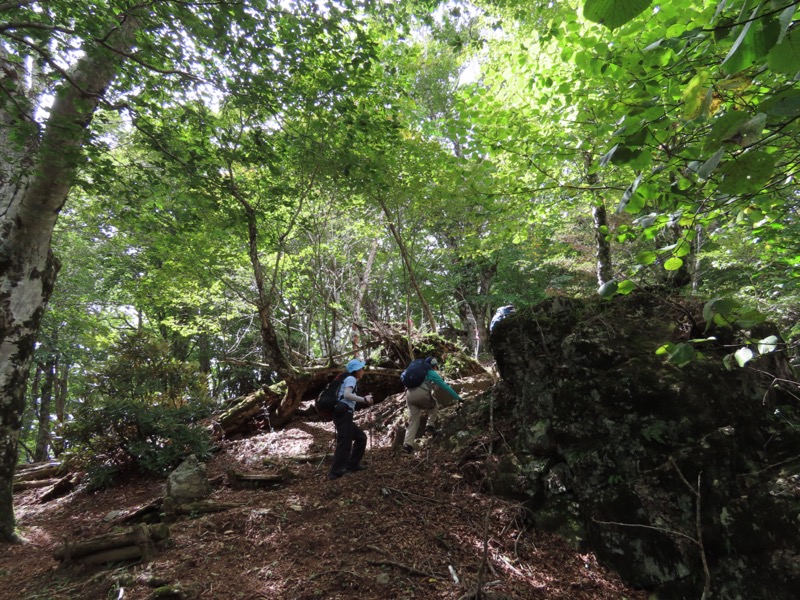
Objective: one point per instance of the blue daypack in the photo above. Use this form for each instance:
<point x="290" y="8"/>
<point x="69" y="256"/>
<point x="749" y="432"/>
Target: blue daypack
<point x="415" y="373"/>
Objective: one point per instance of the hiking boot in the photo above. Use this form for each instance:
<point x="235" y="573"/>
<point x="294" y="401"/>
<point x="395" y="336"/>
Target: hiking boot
<point x="432" y="431"/>
<point x="357" y="468"/>
<point x="408" y="449"/>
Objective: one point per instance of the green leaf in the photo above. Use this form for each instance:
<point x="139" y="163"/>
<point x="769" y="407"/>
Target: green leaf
<point x="704" y="172"/>
<point x="626" y="287"/>
<point x="786" y="18"/>
<point x="743" y="356"/>
<point x="768" y="344"/>
<point x="752" y="130"/>
<point x="743" y="52"/>
<point x="703" y="340"/>
<point x="681" y="354"/>
<point x="695" y="96"/>
<point x="664" y="349"/>
<point x="747" y="174"/>
<point x="606" y="158"/>
<point x="726" y="128"/>
<point x="625" y="154"/>
<point x="784" y="104"/>
<point x="682" y="248"/>
<point x="613" y="13"/>
<point x="749" y="318"/>
<point x="784" y="58"/>
<point x="727" y="361"/>
<point x="717" y="306"/>
<point x="673" y="264"/>
<point x="626" y="197"/>
<point x="646" y="258"/>
<point x="638" y="200"/>
<point x="608" y="289"/>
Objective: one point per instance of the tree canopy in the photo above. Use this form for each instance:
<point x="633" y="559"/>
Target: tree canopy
<point x="243" y="187"/>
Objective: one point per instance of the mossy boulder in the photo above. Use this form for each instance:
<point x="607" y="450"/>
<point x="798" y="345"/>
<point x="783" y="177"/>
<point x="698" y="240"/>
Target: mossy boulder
<point x="681" y="478"/>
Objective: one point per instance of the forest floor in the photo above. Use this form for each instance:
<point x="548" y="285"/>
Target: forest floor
<point x="408" y="527"/>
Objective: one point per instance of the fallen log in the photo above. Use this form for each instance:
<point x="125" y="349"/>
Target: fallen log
<point x="62" y="487"/>
<point x="166" y="508"/>
<point x="202" y="507"/>
<point x="35" y="471"/>
<point x="21" y="486"/>
<point x="150" y="512"/>
<point x="302" y="458"/>
<point x="241" y="412"/>
<point x="257" y="480"/>
<point x="116" y="555"/>
<point x="138" y="542"/>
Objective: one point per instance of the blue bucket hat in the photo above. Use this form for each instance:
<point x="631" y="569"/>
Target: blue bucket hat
<point x="354" y="365"/>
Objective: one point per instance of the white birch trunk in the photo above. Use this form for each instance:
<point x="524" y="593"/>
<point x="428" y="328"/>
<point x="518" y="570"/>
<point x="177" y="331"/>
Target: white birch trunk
<point x="38" y="164"/>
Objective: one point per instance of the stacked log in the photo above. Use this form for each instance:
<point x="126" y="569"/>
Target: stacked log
<point x="258" y="480"/>
<point x="167" y="508"/>
<point x="48" y="475"/>
<point x="37" y="471"/>
<point x="139" y="543"/>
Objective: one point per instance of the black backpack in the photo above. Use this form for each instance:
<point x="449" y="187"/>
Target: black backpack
<point x="415" y="373"/>
<point x="327" y="399"/>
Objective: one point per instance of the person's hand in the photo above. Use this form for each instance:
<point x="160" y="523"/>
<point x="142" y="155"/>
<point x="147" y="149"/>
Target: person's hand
<point x="368" y="399"/>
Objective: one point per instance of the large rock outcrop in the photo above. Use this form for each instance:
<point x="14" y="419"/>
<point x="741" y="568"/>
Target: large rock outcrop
<point x="685" y="480"/>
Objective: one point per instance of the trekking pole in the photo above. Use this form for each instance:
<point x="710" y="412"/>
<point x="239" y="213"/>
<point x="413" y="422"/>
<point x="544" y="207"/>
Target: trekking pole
<point x="371" y="423"/>
<point x="332" y="446"/>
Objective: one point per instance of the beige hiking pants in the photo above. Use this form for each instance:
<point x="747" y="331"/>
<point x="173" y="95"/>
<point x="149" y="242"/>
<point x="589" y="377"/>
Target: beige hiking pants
<point x="419" y="399"/>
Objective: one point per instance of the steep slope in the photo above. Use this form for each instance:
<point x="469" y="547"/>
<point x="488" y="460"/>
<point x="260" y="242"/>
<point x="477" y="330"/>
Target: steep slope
<point x="408" y="527"/>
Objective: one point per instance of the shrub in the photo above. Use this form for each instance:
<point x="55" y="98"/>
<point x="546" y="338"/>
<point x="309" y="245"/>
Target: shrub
<point x="143" y="412"/>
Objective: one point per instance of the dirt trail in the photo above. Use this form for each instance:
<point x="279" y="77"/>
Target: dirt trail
<point x="409" y="527"/>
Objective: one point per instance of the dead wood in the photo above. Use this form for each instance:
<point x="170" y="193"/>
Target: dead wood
<point x="21" y="486"/>
<point x="242" y="412"/>
<point x="149" y="512"/>
<point x="400" y="349"/>
<point x="303" y="459"/>
<point x="60" y="488"/>
<point x="197" y="507"/>
<point x="258" y="480"/>
<point x="166" y="508"/>
<point x="407" y="568"/>
<point x="46" y="470"/>
<point x="104" y="545"/>
<point x="115" y="555"/>
<point x="272" y="409"/>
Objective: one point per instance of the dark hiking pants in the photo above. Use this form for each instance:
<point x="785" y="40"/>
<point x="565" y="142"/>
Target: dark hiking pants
<point x="351" y="442"/>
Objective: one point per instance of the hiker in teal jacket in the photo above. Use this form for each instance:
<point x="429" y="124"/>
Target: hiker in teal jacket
<point x="421" y="399"/>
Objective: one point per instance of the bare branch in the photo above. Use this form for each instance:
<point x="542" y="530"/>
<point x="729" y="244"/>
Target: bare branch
<point x="15" y="5"/>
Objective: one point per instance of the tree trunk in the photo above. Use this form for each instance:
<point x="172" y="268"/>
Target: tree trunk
<point x="407" y="262"/>
<point x="34" y="395"/>
<point x="61" y="392"/>
<point x="363" y="284"/>
<point x="605" y="272"/>
<point x="45" y="402"/>
<point x="602" y="249"/>
<point x="694" y="268"/>
<point x="35" y="178"/>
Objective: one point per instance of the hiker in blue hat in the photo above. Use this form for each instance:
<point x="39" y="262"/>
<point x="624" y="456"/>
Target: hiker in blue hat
<point x="351" y="441"/>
